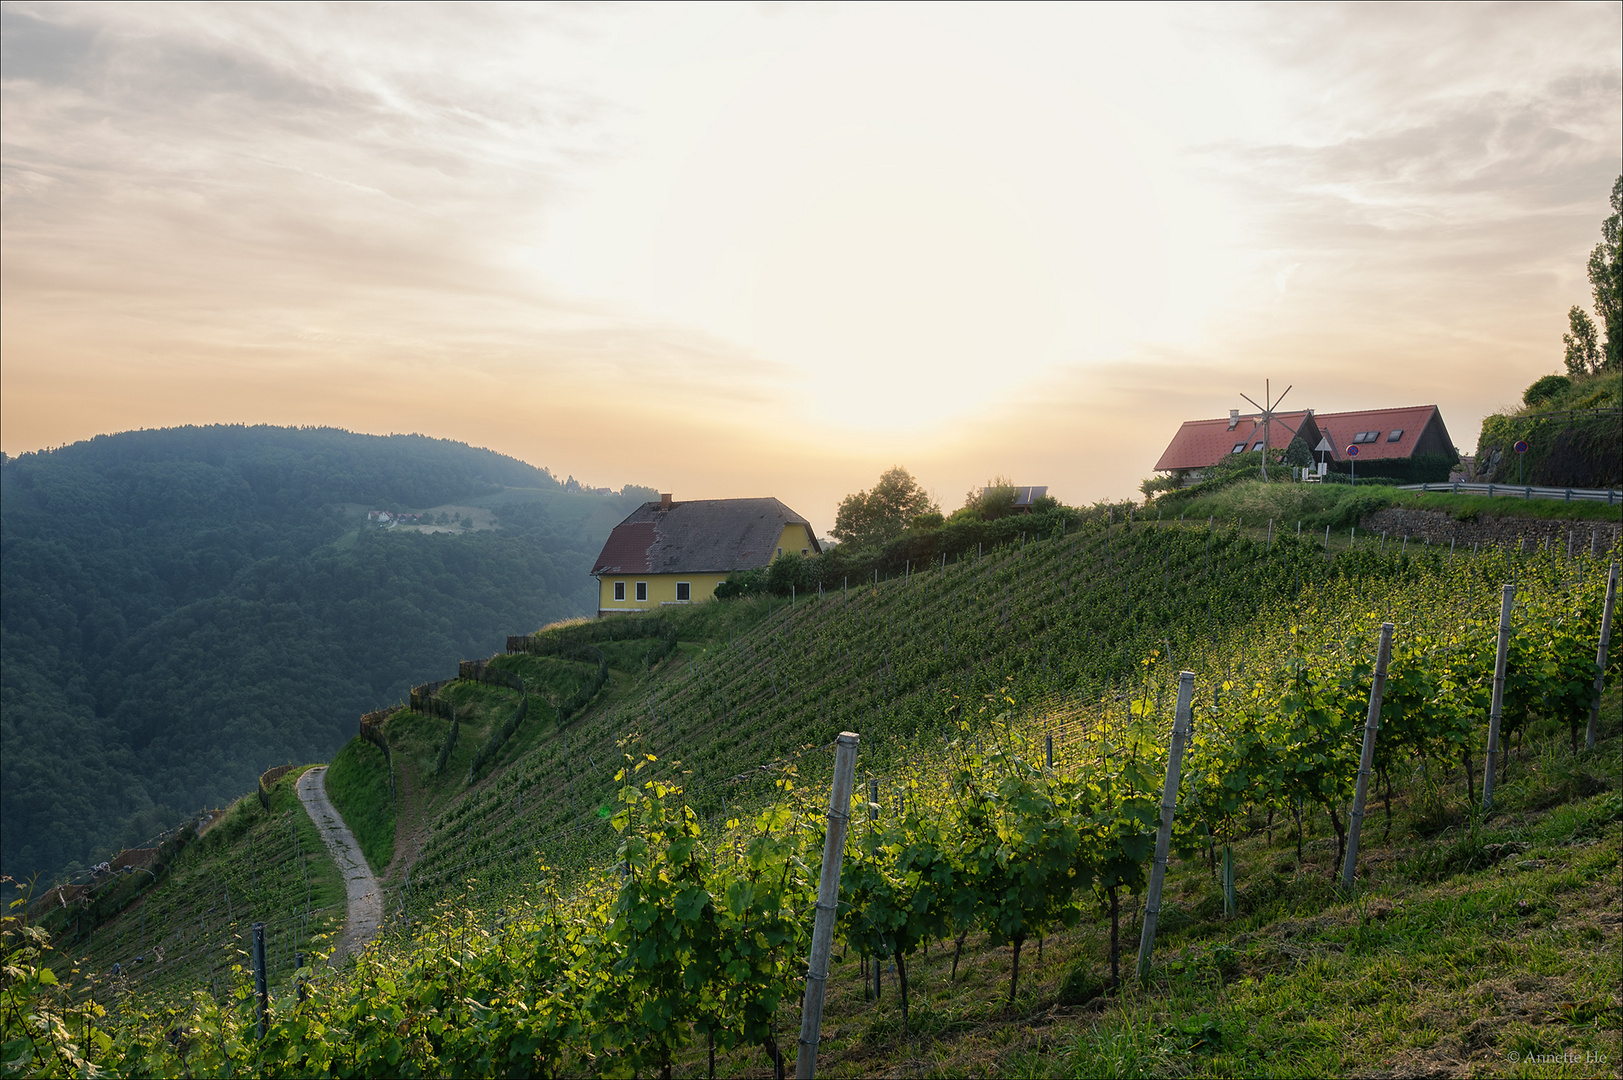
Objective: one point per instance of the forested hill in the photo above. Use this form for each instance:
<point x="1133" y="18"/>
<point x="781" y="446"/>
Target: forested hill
<point x="183" y="608"/>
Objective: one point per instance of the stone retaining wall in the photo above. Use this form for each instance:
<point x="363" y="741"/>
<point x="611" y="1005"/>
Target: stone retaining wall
<point x="1439" y="528"/>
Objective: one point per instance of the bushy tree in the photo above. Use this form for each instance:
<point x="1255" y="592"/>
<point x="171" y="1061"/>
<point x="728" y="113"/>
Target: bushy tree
<point x="1546" y="388"/>
<point x="995" y="500"/>
<point x="873" y="517"/>
<point x="1583" y="347"/>
<point x="1606" y="279"/>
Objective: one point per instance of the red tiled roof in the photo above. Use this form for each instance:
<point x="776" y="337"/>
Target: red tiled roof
<point x="1340" y="428"/>
<point x="626" y="550"/>
<point x="702" y="535"/>
<point x="1202" y="443"/>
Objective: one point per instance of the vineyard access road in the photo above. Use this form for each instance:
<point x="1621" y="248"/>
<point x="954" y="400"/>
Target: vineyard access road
<point x="365" y="896"/>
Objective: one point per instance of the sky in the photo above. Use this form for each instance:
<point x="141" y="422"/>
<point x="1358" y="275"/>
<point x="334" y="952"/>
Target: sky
<point x="774" y="249"/>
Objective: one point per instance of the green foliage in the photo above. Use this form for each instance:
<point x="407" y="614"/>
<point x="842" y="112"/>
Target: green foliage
<point x="873" y="517"/>
<point x="1573" y="450"/>
<point x="1549" y="386"/>
<point x="1606" y="280"/>
<point x="185" y="607"/>
<point x="698" y="929"/>
<point x="358" y="783"/>
<point x="1582" y="342"/>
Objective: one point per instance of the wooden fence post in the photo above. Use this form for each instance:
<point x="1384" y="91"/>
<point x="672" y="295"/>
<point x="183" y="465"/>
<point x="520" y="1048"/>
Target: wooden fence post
<point x="1163" y="836"/>
<point x="1600" y="656"/>
<point x="828" y="896"/>
<point x="1372" y="725"/>
<point x="1498" y="707"/>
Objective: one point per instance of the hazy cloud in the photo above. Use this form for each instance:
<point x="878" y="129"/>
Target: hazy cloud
<point x="694" y="228"/>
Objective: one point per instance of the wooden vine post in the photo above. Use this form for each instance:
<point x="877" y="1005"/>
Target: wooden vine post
<point x="1372" y="725"/>
<point x="828" y="895"/>
<point x="1496" y="710"/>
<point x="1600" y="656"/>
<point x="1163" y="836"/>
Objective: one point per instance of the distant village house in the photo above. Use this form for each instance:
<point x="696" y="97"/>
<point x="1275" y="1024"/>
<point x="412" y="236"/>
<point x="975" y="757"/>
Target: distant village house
<point x="670" y="552"/>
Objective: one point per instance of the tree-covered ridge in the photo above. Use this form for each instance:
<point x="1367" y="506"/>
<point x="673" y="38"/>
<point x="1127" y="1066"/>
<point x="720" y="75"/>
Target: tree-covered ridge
<point x="185" y="607"/>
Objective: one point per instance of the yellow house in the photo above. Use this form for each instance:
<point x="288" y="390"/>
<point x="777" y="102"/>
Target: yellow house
<point x="671" y="552"/>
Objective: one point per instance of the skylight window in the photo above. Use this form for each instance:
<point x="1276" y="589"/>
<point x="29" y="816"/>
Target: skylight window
<point x="1239" y="448"/>
<point x="1258" y="445"/>
<point x="1395" y="436"/>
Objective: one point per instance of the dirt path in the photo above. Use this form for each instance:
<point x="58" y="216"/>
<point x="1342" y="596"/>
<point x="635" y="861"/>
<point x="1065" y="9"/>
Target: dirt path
<point x="365" y="896"/>
<point x="409" y="830"/>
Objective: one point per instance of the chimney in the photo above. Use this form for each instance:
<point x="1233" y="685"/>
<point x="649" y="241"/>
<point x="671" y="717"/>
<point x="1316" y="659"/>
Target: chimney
<point x="1234" y="419"/>
<point x="664" y="500"/>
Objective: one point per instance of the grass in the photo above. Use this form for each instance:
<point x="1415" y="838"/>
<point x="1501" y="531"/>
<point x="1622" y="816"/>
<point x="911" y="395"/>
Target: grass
<point x="358" y="783"/>
<point x="1469" y="940"/>
<point x="1341" y="507"/>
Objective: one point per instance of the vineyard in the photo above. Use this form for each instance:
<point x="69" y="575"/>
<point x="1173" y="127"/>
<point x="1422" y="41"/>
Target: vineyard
<point x="253" y="863"/>
<point x="624" y="884"/>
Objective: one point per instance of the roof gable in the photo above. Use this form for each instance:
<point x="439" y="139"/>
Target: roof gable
<point x="1412" y="420"/>
<point x="1203" y="443"/>
<point x="699" y="536"/>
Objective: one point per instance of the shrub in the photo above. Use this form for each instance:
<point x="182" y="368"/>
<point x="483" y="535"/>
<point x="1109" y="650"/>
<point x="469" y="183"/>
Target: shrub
<point x="1544" y="389"/>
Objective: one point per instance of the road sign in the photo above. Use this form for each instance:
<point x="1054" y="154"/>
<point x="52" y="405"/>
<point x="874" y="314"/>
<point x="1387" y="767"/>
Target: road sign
<point x="1352" y="451"/>
<point x="1521" y="447"/>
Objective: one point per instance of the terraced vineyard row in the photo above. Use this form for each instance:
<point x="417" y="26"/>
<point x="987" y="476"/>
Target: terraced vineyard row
<point x="254" y="865"/>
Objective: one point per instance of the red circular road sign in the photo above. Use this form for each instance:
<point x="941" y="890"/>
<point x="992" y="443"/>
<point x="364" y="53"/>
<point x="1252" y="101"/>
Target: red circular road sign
<point x="1521" y="447"/>
<point x="1352" y="451"/>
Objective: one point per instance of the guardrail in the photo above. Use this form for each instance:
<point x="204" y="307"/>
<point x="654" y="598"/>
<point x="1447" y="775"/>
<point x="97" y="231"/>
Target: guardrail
<point x="1610" y="496"/>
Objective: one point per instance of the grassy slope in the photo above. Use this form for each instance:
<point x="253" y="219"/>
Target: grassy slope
<point x="1302" y="983"/>
<point x="250" y="864"/>
<point x="1341" y="507"/>
<point x="358" y="785"/>
<point x="880" y="661"/>
<point x="756" y="680"/>
<point x="1453" y="957"/>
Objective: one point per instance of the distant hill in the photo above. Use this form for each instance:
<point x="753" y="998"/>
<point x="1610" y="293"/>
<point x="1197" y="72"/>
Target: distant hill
<point x="185" y="607"/>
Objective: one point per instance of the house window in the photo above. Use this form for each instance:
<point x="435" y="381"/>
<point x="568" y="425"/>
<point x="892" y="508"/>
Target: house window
<point x="780" y="552"/>
<point x="1395" y="436"/>
<point x="619" y="590"/>
<point x="1239" y="448"/>
<point x="642" y="590"/>
<point x="684" y="590"/>
<point x="804" y="551"/>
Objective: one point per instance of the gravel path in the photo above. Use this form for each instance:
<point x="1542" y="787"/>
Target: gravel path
<point x="365" y="896"/>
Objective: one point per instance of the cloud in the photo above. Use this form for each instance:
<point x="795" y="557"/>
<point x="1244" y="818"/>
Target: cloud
<point x="782" y="249"/>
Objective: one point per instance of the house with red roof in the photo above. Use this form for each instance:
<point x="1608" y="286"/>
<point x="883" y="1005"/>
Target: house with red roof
<point x="1385" y="434"/>
<point x="1201" y="444"/>
<point x="1380" y="436"/>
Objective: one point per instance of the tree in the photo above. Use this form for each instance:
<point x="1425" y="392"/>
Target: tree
<point x="995" y="500"/>
<point x="1583" y="350"/>
<point x="1606" y="278"/>
<point x="871" y="517"/>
